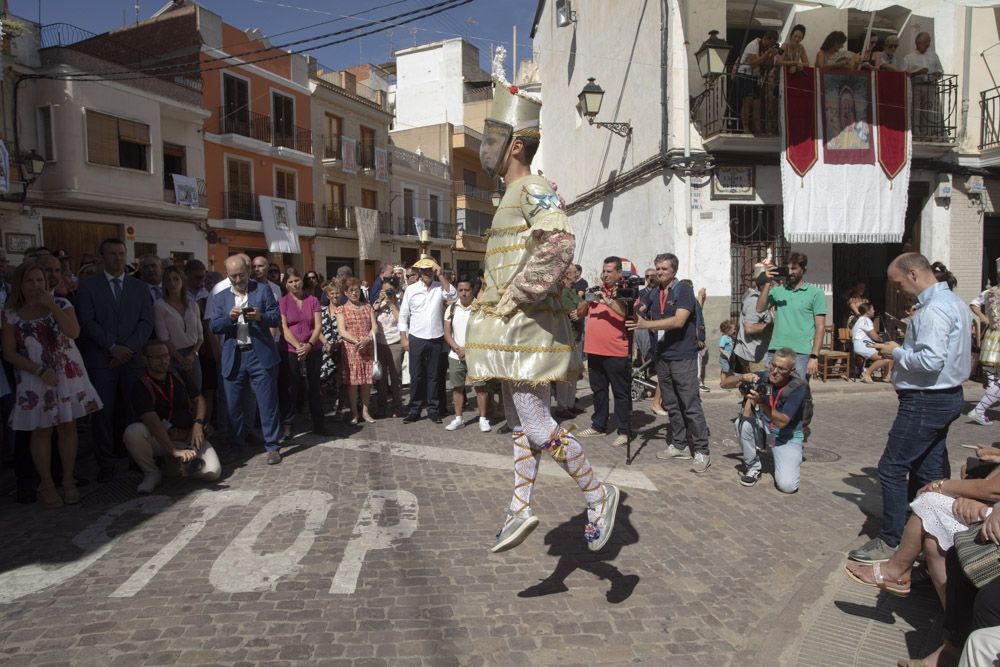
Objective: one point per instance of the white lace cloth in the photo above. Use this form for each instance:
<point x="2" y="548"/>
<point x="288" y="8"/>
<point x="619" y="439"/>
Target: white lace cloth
<point x="934" y="510"/>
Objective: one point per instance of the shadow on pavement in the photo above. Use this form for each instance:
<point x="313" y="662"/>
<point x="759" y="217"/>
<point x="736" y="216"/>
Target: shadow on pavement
<point x="566" y="542"/>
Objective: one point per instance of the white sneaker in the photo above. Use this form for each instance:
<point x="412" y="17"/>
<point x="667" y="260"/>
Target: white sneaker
<point x="455" y="424"/>
<point x="149" y="482"/>
<point x="620" y="441"/>
<point x="701" y="462"/>
<point x="980" y="418"/>
<point x="484" y="425"/>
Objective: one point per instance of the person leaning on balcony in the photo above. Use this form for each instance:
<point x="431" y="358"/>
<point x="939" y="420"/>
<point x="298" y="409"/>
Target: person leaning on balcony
<point x="886" y="58"/>
<point x="924" y="69"/>
<point x="758" y="55"/>
<point x="794" y="57"/>
<point x="833" y="54"/>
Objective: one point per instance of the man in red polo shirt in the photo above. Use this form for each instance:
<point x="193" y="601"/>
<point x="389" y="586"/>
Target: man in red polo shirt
<point x="606" y="345"/>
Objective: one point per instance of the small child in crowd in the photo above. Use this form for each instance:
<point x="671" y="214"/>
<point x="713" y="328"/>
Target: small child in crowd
<point x="728" y="329"/>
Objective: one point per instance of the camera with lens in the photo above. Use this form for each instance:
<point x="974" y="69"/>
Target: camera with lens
<point x="392" y="280"/>
<point x="761" y="386"/>
<point x="194" y="466"/>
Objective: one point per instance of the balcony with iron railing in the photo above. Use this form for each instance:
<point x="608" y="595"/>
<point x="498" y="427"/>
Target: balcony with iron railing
<point x="245" y="206"/>
<point x="474" y="222"/>
<point x="716" y="113"/>
<point x="463" y="189"/>
<point x="331" y="147"/>
<point x="406" y="226"/>
<point x="335" y="217"/>
<point x="989" y="120"/>
<point x="262" y="128"/>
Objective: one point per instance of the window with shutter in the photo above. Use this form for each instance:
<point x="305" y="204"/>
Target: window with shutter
<point x="284" y="184"/>
<point x="117" y="142"/>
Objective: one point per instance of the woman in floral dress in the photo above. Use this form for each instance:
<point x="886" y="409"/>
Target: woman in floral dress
<point x="357" y="327"/>
<point x="53" y="390"/>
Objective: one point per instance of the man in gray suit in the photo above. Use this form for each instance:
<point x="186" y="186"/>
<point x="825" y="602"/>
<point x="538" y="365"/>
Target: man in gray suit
<point x="116" y="320"/>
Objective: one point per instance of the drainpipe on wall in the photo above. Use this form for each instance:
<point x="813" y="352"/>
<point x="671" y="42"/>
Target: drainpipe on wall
<point x="664" y="79"/>
<point x="966" y="67"/>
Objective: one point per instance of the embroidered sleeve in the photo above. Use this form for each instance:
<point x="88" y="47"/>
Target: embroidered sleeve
<point x="553" y="255"/>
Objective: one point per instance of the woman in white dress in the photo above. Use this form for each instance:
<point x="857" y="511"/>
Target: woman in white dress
<point x="941" y="509"/>
<point x="862" y="333"/>
<point x="53" y="389"/>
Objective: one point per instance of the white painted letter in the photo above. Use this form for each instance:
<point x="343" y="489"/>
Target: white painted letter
<point x="210" y="503"/>
<point x="369" y="535"/>
<point x="93" y="540"/>
<point x="238" y="569"/>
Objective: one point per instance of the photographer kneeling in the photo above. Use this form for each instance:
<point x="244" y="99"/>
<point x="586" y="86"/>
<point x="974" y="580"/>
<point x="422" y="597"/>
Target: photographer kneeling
<point x="771" y="418"/>
<point x="167" y="426"/>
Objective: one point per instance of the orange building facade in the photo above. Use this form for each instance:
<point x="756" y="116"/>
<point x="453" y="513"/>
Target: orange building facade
<point x="258" y="141"/>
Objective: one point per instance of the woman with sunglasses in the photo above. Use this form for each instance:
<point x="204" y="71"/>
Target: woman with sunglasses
<point x="313" y="284"/>
<point x="886" y="59"/>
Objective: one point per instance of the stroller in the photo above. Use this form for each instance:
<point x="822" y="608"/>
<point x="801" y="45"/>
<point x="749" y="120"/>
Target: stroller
<point x="641" y="387"/>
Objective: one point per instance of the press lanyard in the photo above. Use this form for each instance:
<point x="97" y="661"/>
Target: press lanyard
<point x="168" y="399"/>
<point x="773" y="401"/>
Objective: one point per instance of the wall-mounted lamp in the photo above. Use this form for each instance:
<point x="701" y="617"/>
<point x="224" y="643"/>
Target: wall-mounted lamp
<point x="712" y="55"/>
<point x="495" y="197"/>
<point x="591" y="98"/>
<point x="30" y="166"/>
<point x="564" y="13"/>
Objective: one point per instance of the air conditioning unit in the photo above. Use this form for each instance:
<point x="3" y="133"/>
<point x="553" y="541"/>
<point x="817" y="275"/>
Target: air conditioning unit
<point x="975" y="185"/>
<point x="943" y="190"/>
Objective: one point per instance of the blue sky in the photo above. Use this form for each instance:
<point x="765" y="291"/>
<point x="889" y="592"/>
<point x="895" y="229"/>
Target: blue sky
<point x="482" y="22"/>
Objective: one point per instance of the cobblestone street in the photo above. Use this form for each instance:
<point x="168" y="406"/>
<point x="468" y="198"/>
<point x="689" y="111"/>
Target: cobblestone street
<point x="371" y="548"/>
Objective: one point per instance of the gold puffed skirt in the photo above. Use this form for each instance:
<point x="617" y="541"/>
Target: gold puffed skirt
<point x="532" y="346"/>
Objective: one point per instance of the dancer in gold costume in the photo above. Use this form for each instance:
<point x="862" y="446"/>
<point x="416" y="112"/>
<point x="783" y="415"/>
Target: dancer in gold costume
<point x="519" y="332"/>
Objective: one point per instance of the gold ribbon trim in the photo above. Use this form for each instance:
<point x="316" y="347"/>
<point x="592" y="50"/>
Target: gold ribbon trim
<point x="505" y="231"/>
<point x="499" y="250"/>
<point x="530" y="349"/>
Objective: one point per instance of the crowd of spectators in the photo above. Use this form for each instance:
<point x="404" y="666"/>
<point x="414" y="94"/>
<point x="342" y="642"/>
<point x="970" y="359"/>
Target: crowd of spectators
<point x="755" y="73"/>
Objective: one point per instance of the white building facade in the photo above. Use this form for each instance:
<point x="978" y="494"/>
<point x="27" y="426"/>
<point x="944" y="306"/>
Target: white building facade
<point x="110" y="148"/>
<point x="649" y="192"/>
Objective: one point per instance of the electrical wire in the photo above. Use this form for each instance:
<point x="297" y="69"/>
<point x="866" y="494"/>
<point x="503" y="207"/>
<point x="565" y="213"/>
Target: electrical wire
<point x="172" y="70"/>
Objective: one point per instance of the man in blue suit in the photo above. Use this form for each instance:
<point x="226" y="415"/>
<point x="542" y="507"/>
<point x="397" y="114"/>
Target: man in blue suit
<point x="116" y="320"/>
<point x="242" y="316"/>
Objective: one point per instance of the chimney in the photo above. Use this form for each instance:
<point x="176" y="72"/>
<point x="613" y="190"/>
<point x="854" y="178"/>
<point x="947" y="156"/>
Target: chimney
<point x="349" y="82"/>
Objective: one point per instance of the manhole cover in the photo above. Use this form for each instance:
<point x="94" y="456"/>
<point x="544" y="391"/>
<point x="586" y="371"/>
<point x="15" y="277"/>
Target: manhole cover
<point x="819" y="455"/>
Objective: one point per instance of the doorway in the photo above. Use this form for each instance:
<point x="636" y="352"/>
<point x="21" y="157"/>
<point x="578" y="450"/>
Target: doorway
<point x="753" y="231"/>
<point x="78" y="238"/>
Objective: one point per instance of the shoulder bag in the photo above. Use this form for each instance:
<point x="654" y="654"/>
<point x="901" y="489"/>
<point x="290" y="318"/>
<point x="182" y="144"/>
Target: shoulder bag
<point x="980" y="559"/>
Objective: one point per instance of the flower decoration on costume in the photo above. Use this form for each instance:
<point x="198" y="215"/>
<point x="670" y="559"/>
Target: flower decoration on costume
<point x="557" y="443"/>
<point x="513" y="90"/>
<point x="591" y="533"/>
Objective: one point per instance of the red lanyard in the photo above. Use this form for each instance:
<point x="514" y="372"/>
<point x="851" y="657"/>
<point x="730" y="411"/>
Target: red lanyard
<point x="773" y="401"/>
<point x="169" y="399"/>
<point x="663" y="303"/>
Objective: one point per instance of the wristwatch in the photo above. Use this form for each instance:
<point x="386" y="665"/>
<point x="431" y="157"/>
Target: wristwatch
<point x="814" y="356"/>
<point x="199" y="421"/>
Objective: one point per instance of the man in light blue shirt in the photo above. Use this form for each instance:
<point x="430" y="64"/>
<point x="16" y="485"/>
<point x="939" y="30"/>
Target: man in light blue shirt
<point x="931" y="365"/>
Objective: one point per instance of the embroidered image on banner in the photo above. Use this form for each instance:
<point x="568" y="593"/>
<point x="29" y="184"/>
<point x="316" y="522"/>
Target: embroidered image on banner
<point x="847" y="117"/>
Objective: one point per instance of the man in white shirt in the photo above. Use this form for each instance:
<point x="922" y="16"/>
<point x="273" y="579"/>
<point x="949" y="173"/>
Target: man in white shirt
<point x="924" y="69"/>
<point x="456" y="320"/>
<point x="421" y="330"/>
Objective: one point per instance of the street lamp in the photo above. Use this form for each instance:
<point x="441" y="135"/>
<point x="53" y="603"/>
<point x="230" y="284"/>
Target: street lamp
<point x="712" y="55"/>
<point x="591" y="98"/>
<point x="564" y="13"/>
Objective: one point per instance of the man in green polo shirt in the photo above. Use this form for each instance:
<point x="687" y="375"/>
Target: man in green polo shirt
<point x="799" y="315"/>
